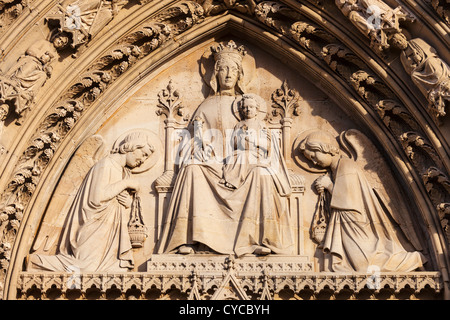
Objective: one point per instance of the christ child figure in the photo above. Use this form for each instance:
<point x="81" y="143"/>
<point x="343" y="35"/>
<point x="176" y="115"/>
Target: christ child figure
<point x="250" y="141"/>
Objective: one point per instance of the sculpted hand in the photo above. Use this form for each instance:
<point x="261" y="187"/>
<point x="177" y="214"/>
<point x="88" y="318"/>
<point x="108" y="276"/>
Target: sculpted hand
<point x="322" y="183"/>
<point x="198" y="154"/>
<point x="134" y="185"/>
<point x="125" y="199"/>
<point x="209" y="151"/>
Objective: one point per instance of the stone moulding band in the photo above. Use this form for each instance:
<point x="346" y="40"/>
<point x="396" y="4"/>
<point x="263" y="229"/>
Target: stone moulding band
<point x="263" y="285"/>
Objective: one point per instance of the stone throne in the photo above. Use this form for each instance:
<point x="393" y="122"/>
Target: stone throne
<point x="211" y="268"/>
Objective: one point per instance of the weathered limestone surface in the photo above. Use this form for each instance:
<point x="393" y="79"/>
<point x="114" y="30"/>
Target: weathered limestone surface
<point x="224" y="150"/>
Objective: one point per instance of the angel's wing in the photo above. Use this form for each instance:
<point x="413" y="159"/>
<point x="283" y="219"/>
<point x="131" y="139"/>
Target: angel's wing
<point x="90" y="151"/>
<point x="364" y="152"/>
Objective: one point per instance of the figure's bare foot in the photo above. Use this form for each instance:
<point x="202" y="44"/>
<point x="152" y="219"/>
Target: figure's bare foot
<point x="185" y="250"/>
<point x="263" y="251"/>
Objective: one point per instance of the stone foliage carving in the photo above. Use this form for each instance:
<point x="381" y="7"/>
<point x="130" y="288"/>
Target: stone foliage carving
<point x="444" y="217"/>
<point x="419" y="150"/>
<point x="293" y="25"/>
<point x="437" y="184"/>
<point x="170" y="105"/>
<point x="74" y="23"/>
<point x="100" y="230"/>
<point x="197" y="281"/>
<point x="285" y="105"/>
<point x="286" y="101"/>
<point x="212" y="7"/>
<point x="429" y="73"/>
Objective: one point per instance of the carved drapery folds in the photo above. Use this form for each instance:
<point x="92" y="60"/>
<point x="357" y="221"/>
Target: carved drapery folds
<point x="278" y="17"/>
<point x="442" y="8"/>
<point x="354" y="71"/>
<point x="381" y="24"/>
<point x="21" y="83"/>
<point x="75" y="101"/>
<point x="74" y="23"/>
<point x="208" y="284"/>
<point x="376" y="20"/>
<point x="9" y="11"/>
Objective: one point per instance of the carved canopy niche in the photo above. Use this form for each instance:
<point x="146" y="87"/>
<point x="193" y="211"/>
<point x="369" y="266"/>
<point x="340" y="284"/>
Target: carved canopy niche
<point x="141" y="65"/>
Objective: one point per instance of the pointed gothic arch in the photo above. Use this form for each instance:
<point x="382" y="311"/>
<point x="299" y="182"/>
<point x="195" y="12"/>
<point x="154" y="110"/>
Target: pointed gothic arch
<point x="370" y="89"/>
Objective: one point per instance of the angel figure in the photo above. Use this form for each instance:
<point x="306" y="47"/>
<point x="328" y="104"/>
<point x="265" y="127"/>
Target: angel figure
<point x="203" y="214"/>
<point x="95" y="236"/>
<point x="359" y="235"/>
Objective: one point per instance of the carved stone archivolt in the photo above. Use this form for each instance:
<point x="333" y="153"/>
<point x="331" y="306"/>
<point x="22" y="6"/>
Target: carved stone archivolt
<point x="194" y="281"/>
<point x="393" y="116"/>
<point x="21" y="83"/>
<point x="381" y="24"/>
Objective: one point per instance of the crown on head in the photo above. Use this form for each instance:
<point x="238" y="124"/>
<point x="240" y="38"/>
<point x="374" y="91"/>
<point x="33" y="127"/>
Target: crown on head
<point x="231" y="49"/>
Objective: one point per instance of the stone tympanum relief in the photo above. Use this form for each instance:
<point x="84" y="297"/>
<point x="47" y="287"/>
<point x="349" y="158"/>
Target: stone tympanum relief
<point x="247" y="211"/>
<point x="74" y="23"/>
<point x="228" y="189"/>
<point x="100" y="231"/>
<point x="359" y="234"/>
